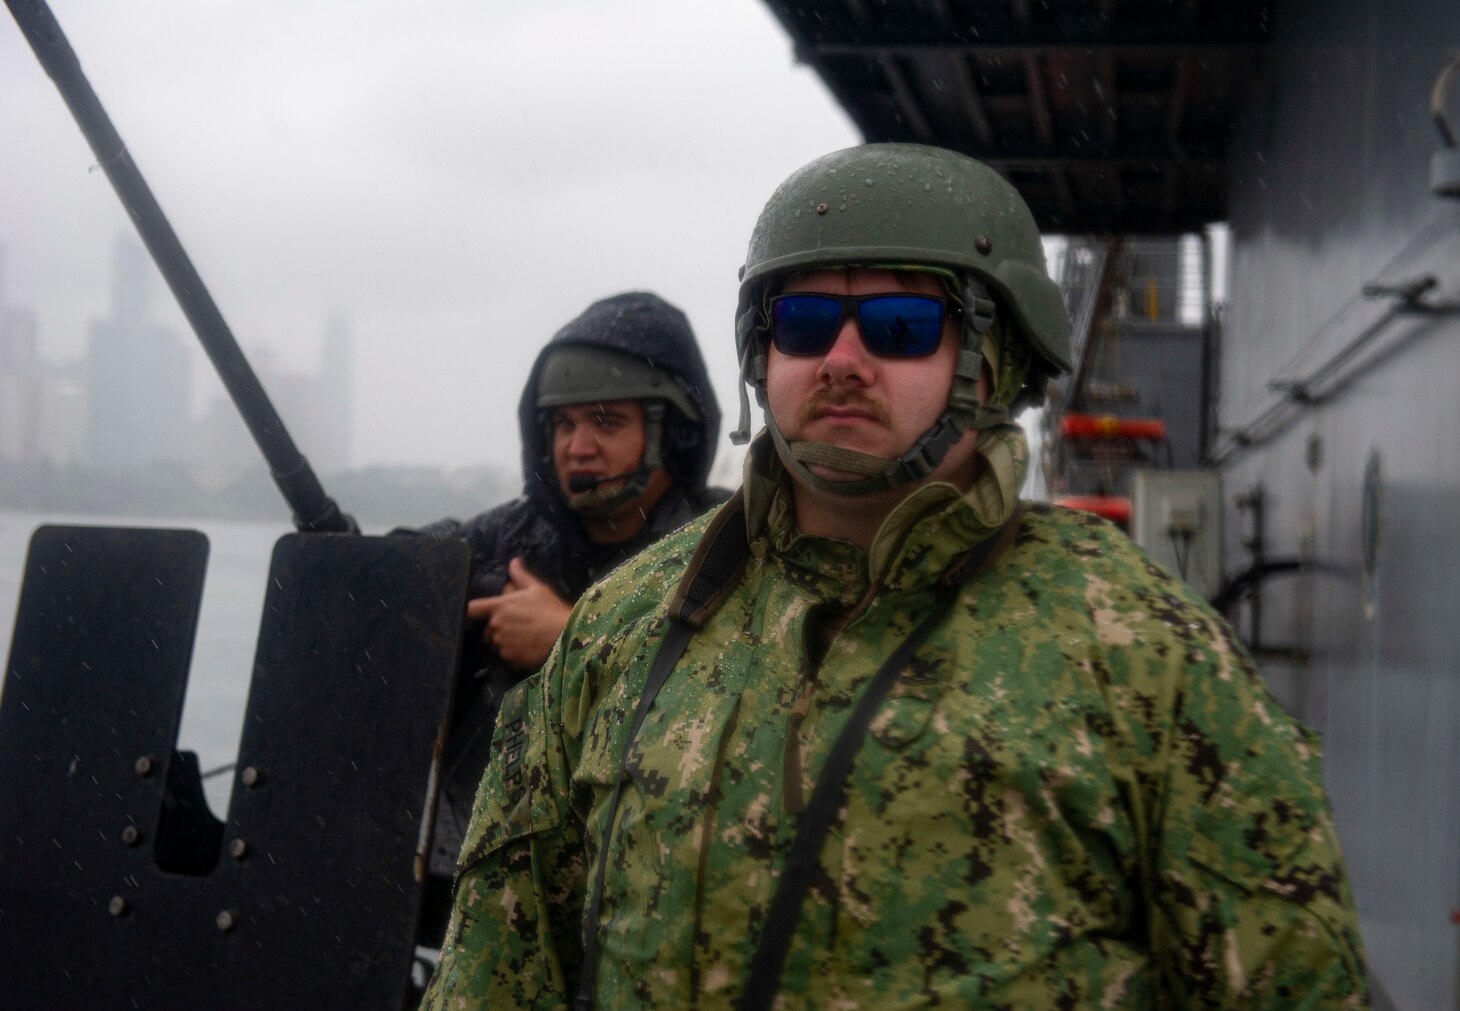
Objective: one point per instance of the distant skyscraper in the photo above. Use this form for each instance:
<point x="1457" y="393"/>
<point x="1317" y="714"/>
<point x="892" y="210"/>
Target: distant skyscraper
<point x="42" y="406"/>
<point x="316" y="408"/>
<point x="19" y="378"/>
<point x="61" y="415"/>
<point x="136" y="376"/>
<point x="131" y="282"/>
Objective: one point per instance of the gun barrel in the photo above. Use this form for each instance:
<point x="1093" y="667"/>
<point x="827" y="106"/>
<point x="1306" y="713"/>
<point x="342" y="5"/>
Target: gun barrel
<point x="313" y="510"/>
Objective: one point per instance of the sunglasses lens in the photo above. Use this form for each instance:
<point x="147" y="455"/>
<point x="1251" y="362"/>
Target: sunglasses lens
<point x="901" y="326"/>
<point x="893" y="326"/>
<point x="804" y="324"/>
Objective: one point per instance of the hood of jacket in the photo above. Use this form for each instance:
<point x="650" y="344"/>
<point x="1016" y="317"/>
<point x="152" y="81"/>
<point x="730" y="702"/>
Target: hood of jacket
<point x="641" y="324"/>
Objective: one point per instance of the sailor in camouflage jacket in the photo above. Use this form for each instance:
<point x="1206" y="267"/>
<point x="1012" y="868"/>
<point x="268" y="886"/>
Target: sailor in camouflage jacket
<point x="1080" y="794"/>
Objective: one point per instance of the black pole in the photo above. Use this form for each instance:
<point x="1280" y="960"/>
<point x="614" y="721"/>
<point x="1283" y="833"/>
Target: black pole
<point x="313" y="509"/>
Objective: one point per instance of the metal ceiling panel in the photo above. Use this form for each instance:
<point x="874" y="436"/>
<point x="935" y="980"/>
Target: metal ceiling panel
<point x="1109" y="115"/>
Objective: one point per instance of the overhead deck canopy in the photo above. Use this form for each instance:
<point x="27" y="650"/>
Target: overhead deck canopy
<point x="1108" y="115"/>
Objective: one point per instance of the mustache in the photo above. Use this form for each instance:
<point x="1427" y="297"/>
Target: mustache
<point x="822" y="399"/>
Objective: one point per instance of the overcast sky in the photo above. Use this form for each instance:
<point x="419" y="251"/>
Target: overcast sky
<point x="459" y="182"/>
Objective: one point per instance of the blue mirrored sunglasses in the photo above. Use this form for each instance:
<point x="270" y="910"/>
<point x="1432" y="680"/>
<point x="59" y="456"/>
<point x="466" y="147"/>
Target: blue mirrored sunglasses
<point x="892" y="325"/>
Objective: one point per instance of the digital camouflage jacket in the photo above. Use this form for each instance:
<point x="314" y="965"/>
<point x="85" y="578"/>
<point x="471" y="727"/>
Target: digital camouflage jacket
<point x="1079" y="794"/>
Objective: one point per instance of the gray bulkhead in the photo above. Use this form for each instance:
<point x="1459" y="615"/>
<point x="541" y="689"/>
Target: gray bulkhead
<point x="1329" y="191"/>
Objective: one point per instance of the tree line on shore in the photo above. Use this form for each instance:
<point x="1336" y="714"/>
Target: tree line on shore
<point x="378" y="497"/>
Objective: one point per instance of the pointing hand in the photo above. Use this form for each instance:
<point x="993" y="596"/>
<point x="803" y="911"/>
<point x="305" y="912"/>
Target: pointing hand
<point x="523" y="621"/>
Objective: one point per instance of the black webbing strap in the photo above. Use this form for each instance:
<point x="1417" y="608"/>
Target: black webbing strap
<point x="769" y="959"/>
<point x="721" y="554"/>
<point x="714" y="568"/>
<point x="670" y="650"/>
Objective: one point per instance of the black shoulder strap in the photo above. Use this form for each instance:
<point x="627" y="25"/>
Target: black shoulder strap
<point x="769" y="959"/>
<point x="712" y="572"/>
<point x="714" y="569"/>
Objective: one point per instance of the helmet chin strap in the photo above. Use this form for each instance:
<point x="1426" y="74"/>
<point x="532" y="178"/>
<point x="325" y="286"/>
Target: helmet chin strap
<point x="752" y="371"/>
<point x="965" y="412"/>
<point x="607" y="501"/>
<point x="877" y="473"/>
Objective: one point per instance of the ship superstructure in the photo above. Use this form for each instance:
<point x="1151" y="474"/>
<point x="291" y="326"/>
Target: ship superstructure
<point x="1296" y="452"/>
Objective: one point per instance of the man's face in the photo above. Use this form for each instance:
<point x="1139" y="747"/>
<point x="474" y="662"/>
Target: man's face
<point x="849" y="397"/>
<point x="597" y="440"/>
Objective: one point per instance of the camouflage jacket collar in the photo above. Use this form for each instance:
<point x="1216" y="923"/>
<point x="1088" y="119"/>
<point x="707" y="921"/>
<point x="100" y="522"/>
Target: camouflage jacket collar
<point x="919" y="542"/>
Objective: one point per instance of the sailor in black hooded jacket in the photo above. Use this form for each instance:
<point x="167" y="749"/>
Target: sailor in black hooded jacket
<point x="566" y="528"/>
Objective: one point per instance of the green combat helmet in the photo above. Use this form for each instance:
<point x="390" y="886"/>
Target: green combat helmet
<point x="899" y="206"/>
<point x="583" y="374"/>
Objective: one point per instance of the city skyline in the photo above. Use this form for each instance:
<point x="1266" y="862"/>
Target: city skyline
<point x="128" y="401"/>
<point x="460" y="182"/>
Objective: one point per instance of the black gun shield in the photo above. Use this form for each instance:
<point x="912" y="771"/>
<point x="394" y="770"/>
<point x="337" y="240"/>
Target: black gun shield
<point x="313" y="898"/>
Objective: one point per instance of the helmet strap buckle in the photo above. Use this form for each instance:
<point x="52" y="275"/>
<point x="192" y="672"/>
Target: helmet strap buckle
<point x="923" y="456"/>
<point x="653" y="457"/>
<point x="978" y="304"/>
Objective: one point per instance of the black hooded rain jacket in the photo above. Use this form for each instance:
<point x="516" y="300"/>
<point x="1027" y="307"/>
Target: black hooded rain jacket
<point x="539" y="527"/>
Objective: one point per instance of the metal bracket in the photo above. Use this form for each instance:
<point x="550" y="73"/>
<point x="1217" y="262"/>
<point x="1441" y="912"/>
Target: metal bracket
<point x="115" y="881"/>
<point x="1445" y="165"/>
